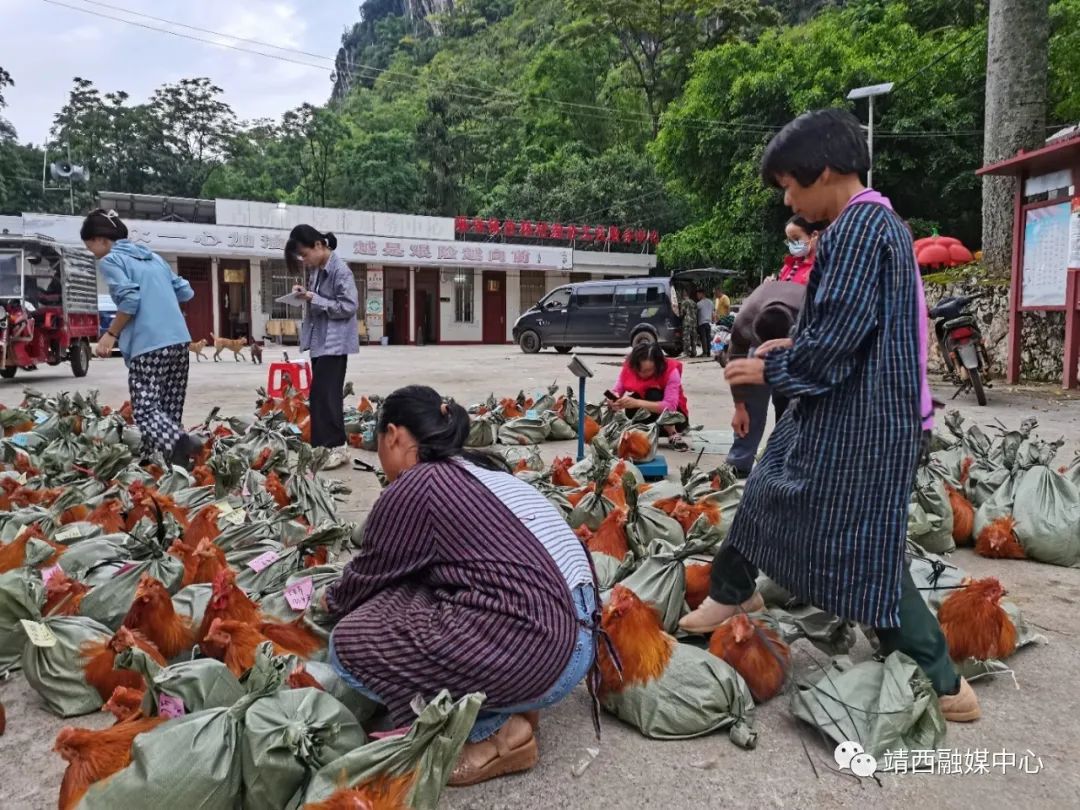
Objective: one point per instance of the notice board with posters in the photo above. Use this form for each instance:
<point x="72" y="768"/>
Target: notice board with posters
<point x="1046" y="255"/>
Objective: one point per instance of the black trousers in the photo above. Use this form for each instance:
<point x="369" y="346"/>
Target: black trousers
<point x="705" y="336"/>
<point x="919" y="635"/>
<point x="327" y="405"/>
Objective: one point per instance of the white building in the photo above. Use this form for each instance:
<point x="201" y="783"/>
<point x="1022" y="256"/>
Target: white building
<point x="417" y="282"/>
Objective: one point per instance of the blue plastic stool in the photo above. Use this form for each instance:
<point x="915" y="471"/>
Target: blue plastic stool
<point x="655" y="470"/>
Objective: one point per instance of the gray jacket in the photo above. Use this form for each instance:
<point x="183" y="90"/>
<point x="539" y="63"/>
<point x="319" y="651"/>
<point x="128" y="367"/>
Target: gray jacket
<point x="330" y="319"/>
<point x="787" y="294"/>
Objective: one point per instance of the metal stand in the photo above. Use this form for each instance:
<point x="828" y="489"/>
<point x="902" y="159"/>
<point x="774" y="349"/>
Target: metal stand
<point x="581" y="420"/>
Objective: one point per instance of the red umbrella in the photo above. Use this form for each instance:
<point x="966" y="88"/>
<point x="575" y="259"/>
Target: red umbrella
<point x="941" y="251"/>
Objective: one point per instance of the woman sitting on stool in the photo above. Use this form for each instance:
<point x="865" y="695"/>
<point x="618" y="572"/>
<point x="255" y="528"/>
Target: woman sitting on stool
<point x="651" y="382"/>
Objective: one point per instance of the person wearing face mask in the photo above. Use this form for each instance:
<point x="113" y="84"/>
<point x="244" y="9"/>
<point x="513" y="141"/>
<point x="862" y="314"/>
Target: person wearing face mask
<point x="801" y="244"/>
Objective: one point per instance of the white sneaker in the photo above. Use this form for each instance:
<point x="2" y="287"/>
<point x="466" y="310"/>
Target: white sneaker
<point x="338" y="457"/>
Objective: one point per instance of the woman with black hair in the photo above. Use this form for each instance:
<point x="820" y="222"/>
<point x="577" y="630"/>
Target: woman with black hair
<point x="151" y="330"/>
<point x="329" y="332"/>
<point x="652" y="382"/>
<point x="468" y="580"/>
<point x="802" y="236"/>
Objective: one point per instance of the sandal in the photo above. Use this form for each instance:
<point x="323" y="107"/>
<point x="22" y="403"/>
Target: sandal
<point x="679" y="443"/>
<point x="510" y="750"/>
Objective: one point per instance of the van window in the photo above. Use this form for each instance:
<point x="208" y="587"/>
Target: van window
<point x="637" y="295"/>
<point x="595" y="298"/>
<point x="560" y="299"/>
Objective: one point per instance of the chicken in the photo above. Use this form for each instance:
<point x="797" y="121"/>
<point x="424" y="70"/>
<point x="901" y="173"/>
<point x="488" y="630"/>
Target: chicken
<point x="320" y="556"/>
<point x="963" y="516"/>
<point x="668" y="505"/>
<point x="95" y="755"/>
<point x="365" y="406"/>
<point x="698" y="577"/>
<point x="147" y="501"/>
<point x="63" y="595"/>
<point x="75" y="514"/>
<point x="204" y="476"/>
<point x="380" y="793"/>
<point x="13" y="554"/>
<point x="755" y="651"/>
<point x="204" y="526"/>
<point x="300" y="678"/>
<point x="965" y="469"/>
<point x="24" y="466"/>
<point x="152" y="614"/>
<point x="234" y="643"/>
<point x="262" y="458"/>
<point x="277" y="490"/>
<point x="592" y="428"/>
<point x="998" y="539"/>
<point x="293" y="637"/>
<point x="521" y="466"/>
<point x="125" y="703"/>
<point x="109" y="516"/>
<point x="635" y="445"/>
<point x="204" y="563"/>
<point x="228" y="601"/>
<point x="510" y="410"/>
<point x="98" y="657"/>
<point x="688" y="514"/>
<point x="637" y="635"/>
<point x="974" y="623"/>
<point x="128" y="413"/>
<point x="560" y="473"/>
<point x="574" y="498"/>
<point x="610" y="537"/>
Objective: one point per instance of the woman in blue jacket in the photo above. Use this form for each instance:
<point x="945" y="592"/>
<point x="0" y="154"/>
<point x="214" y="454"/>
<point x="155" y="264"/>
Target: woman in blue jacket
<point x="151" y="330"/>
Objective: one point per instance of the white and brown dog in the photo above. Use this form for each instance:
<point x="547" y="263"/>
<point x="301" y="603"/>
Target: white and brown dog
<point x="235" y="346"/>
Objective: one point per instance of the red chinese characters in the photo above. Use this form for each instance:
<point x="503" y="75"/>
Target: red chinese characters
<point x="393" y="249"/>
<point x="420" y="251"/>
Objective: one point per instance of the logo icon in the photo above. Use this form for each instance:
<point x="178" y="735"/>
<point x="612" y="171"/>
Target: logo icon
<point x="851" y="756"/>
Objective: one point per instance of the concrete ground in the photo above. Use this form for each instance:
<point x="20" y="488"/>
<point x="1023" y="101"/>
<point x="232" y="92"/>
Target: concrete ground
<point x="1037" y="715"/>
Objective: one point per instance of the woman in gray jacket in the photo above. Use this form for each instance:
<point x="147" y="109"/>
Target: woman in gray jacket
<point x="329" y="332"/>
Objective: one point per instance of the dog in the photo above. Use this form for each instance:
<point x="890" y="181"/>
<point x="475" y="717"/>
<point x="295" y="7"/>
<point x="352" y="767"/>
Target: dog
<point x="256" y="352"/>
<point x="235" y="346"/>
<point x="196" y="348"/>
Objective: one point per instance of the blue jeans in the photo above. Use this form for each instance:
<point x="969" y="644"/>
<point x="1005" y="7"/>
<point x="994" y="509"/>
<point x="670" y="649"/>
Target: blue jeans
<point x="744" y="448"/>
<point x="490" y="720"/>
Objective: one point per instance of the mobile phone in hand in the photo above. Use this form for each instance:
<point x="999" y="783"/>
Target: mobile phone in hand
<point x="610" y="396"/>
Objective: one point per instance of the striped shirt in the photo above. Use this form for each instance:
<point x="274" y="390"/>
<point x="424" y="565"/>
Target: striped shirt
<point x="463" y="583"/>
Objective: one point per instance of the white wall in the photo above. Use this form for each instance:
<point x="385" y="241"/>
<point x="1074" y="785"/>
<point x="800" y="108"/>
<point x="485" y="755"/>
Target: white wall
<point x="451" y="332"/>
<point x="215" y="289"/>
<point x="258" y="317"/>
<point x="513" y="302"/>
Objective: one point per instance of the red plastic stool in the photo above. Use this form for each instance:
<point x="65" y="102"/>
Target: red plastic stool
<point x="287" y="374"/>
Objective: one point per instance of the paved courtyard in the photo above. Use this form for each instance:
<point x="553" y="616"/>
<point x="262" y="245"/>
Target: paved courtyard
<point x="1038" y="713"/>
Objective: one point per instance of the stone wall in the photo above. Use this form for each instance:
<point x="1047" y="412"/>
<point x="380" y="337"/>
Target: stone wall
<point x="1043" y="343"/>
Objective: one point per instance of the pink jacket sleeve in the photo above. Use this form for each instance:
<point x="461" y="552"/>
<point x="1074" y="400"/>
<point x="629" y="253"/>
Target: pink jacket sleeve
<point x="671" y="391"/>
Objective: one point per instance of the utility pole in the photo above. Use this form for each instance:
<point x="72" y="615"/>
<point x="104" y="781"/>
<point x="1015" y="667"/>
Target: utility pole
<point x="869" y="93"/>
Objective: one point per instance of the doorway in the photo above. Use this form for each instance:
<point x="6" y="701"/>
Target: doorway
<point x="426" y="304"/>
<point x="199" y="311"/>
<point x="494" y="310"/>
<point x="234" y="277"/>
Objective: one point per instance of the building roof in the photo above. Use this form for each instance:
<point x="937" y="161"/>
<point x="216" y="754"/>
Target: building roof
<point x="158" y="208"/>
<point x="1057" y="155"/>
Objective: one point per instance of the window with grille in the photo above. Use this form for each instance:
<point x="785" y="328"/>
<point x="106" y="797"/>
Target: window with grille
<point x="464" y="295"/>
<point x="277" y="282"/>
<point x="533" y="287"/>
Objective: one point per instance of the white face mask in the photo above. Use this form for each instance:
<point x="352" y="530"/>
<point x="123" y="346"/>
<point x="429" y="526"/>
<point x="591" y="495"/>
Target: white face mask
<point x="798" y="249"/>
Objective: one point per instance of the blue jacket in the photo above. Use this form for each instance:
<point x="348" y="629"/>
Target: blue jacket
<point x="329" y="326"/>
<point x="143" y="285"/>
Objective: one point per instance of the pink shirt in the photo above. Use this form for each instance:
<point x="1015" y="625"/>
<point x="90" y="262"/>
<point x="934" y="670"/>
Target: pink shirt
<point x="671" y="390"/>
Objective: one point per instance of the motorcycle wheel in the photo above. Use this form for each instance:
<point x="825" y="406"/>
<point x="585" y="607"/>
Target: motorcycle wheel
<point x="975" y="378"/>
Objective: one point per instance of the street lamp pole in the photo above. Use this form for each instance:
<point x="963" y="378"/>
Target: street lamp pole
<point x="869" y="93"/>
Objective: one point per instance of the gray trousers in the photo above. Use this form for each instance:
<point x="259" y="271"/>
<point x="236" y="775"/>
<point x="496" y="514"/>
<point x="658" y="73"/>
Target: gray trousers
<point x="744" y="449"/>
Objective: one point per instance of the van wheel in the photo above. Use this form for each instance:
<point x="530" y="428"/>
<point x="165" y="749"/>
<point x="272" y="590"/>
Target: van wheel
<point x="529" y="342"/>
<point x="564" y="349"/>
<point x="9" y="372"/>
<point x="642" y="338"/>
<point x="673" y="351"/>
<point x="80" y="358"/>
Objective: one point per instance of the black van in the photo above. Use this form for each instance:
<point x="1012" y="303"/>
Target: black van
<point x="603" y="314"/>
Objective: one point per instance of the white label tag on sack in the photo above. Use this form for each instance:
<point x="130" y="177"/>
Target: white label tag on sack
<point x="70" y="533"/>
<point x="169" y="706"/>
<point x="298" y="595"/>
<point x="224" y="508"/>
<point x="38" y="633"/>
<point x="265" y="559"/>
<point x="236" y="517"/>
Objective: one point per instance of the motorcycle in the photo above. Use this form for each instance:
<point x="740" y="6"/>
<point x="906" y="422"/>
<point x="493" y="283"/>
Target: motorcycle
<point x="721" y="339"/>
<point x="961" y="345"/>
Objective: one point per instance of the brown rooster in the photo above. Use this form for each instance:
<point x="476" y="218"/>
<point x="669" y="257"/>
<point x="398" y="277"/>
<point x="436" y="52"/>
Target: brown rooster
<point x="974" y="623"/>
<point x="262" y="458"/>
<point x="574" y="498"/>
<point x="635" y="445"/>
<point x="98" y="658"/>
<point x="204" y="476"/>
<point x="754" y="651"/>
<point x="320" y="556"/>
<point x="95" y="755"/>
<point x="668" y="505"/>
<point x="638" y="637"/>
<point x="128" y="413"/>
<point x="560" y="473"/>
<point x="237" y="642"/>
<point x="125" y="703"/>
<point x="277" y="490"/>
<point x="610" y="537"/>
<point x="109" y="516"/>
<point x="998" y="540"/>
<point x="688" y="514"/>
<point x="13" y="554"/>
<point x="75" y="514"/>
<point x="698" y="577"/>
<point x="204" y="526"/>
<point x="592" y="428"/>
<point x="63" y="595"/>
<point x="381" y="793"/>
<point x="146" y="503"/>
<point x="509" y="409"/>
<point x="965" y="469"/>
<point x="300" y="678"/>
<point x="204" y="563"/>
<point x="963" y="516"/>
<point x="152" y="614"/>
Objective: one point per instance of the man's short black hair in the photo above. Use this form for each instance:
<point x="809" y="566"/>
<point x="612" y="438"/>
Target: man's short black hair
<point x="773" y="323"/>
<point x="814" y="142"/>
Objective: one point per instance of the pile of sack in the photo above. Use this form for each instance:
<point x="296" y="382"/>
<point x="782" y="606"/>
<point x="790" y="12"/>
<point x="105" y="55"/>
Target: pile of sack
<point x="190" y="605"/>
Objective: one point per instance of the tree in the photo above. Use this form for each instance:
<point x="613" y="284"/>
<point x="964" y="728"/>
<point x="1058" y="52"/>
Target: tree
<point x="7" y="131"/>
<point x="660" y="37"/>
<point x="195" y="126"/>
<point x="1016" y="78"/>
<point x="315" y="135"/>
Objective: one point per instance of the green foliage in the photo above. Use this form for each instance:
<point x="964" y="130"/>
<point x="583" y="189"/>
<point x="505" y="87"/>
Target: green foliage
<point x="1065" y="61"/>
